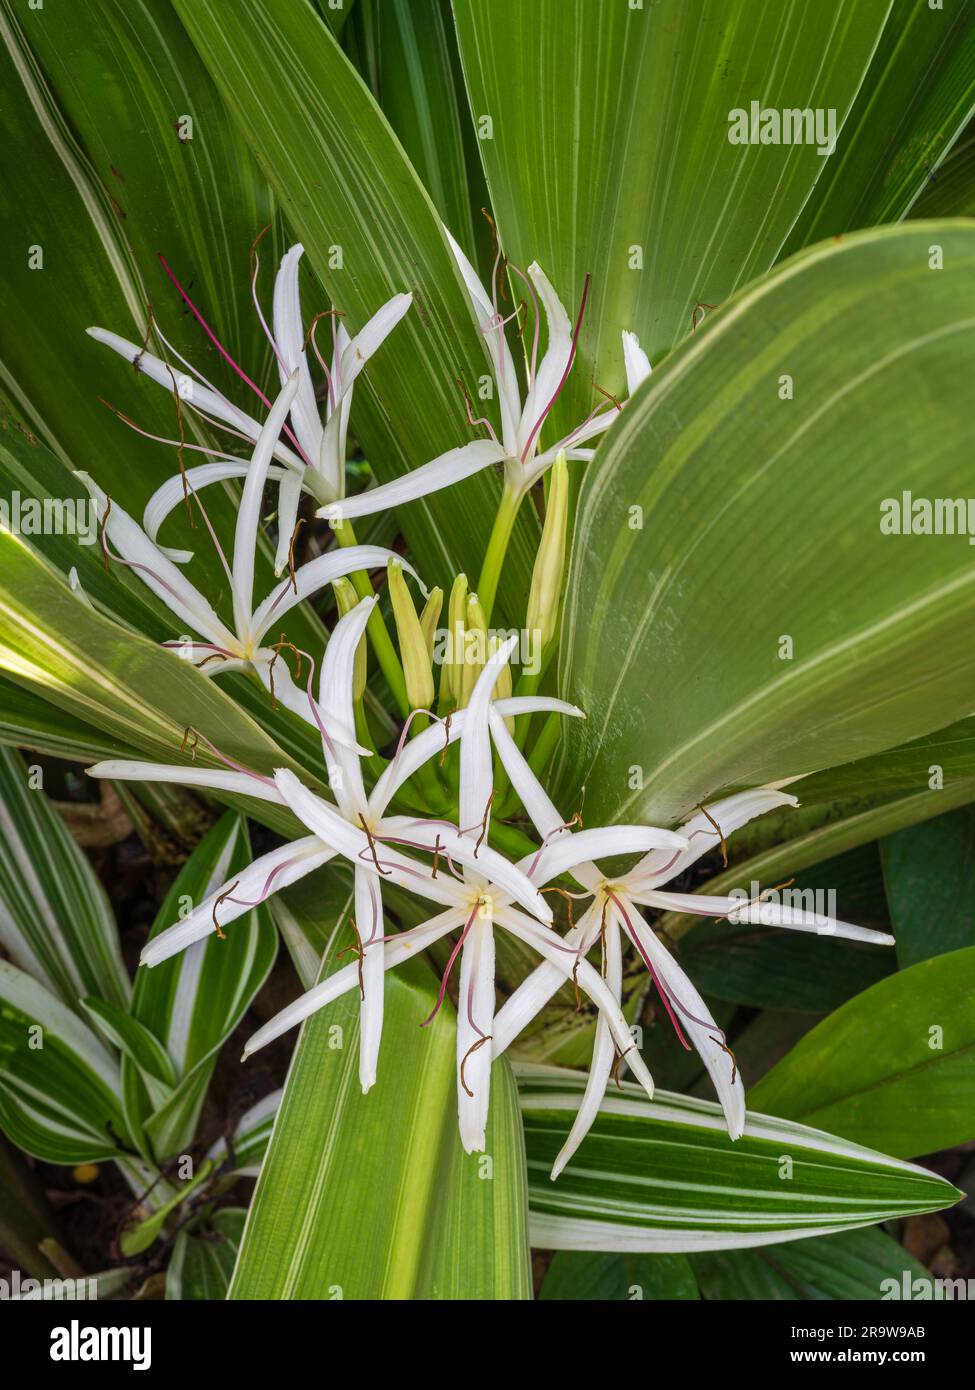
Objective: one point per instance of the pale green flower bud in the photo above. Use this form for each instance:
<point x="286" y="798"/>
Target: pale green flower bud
<point x="417" y="669"/>
<point x="475" y="647"/>
<point x="430" y="617"/>
<point x="546" y="586"/>
<point x="347" y="599"/>
<point x="450" y="678"/>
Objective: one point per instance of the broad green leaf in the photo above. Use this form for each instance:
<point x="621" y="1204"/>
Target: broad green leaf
<point x="28" y="721"/>
<point x="662" y="1176"/>
<point x="915" y="99"/>
<point x="608" y="149"/>
<point x="370" y="231"/>
<point x="713" y="481"/>
<point x="894" y="1067"/>
<point x="428" y="1221"/>
<point x="140" y="1234"/>
<point x="193" y="1001"/>
<point x="582" y="1276"/>
<point x="55" y="919"/>
<point x="929" y="871"/>
<point x="142" y="1048"/>
<point x="203" y="1258"/>
<point x="59" y="1086"/>
<point x="850" y="1265"/>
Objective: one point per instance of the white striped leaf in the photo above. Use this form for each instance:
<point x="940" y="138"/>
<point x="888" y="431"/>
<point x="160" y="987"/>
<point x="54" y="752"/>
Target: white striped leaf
<point x="663" y="1175"/>
<point x="203" y="1258"/>
<point x="55" y="919"/>
<point x="59" y="1087"/>
<point x="193" y="1001"/>
<point x="249" y="1141"/>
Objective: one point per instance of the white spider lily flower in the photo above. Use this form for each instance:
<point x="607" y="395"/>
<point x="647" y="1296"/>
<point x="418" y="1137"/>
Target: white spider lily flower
<point x="614" y="914"/>
<point x="314" y="460"/>
<point x="521" y="419"/>
<point x="484" y="897"/>
<point x="222" y="647"/>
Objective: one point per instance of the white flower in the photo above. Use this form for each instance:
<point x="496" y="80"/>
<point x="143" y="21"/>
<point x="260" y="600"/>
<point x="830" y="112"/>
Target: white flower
<point x="614" y="914"/>
<point x="224" y="648"/>
<point x="315" y="458"/>
<point x="521" y="420"/>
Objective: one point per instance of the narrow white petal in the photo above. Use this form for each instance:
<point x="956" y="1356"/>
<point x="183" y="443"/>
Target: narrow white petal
<point x="255" y="883"/>
<point x="636" y="362"/>
<point x="289" y="337"/>
<point x="476" y="766"/>
<point x="475" y="1018"/>
<point x="603" y="1056"/>
<point x="583" y="846"/>
<point x="289" y="495"/>
<point x="317" y="574"/>
<point x="156" y="571"/>
<point x="216" y="779"/>
<point x="338" y="710"/>
<point x="730" y="813"/>
<point x="275" y="675"/>
<point x="558" y="350"/>
<point x="441" y="472"/>
<point x="369" y="924"/>
<point x="695" y="1020"/>
<point x="370" y="338"/>
<point x="771" y="914"/>
<point x="249" y="511"/>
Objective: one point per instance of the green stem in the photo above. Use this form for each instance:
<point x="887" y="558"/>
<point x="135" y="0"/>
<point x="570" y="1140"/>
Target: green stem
<point x="382" y="643"/>
<point x="545" y="743"/>
<point x="497" y="547"/>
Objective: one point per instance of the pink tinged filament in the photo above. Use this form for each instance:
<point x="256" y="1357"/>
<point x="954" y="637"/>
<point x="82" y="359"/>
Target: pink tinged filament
<point x="226" y="355"/>
<point x="661" y="989"/>
<point x="534" y="300"/>
<point x="237" y="767"/>
<point x="450" y="965"/>
<point x="565" y="375"/>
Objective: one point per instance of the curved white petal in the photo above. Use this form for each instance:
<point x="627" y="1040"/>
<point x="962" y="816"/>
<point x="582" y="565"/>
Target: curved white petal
<point x="583" y="846"/>
<point x="316" y="575"/>
<point x="289" y="337"/>
<point x="476" y="766"/>
<point x="337" y="708"/>
<point x="249" y="511"/>
<point x="635" y="361"/>
<point x="535" y="991"/>
<point x="255" y="883"/>
<point x="215" y="779"/>
<point x="770" y="914"/>
<point x="156" y="571"/>
<point x="695" y="1020"/>
<point x="603" y="1056"/>
<point x="558" y="351"/>
<point x="369" y="924"/>
<point x="441" y="472"/>
<point x="289" y="495"/>
<point x="357" y="352"/>
<point x="730" y="813"/>
<point x="171" y="493"/>
<point x="475" y="1018"/>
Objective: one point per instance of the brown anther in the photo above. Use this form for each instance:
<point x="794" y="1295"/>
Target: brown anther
<point x="101" y="533"/>
<point x="150" y="323"/>
<point x="359" y="950"/>
<point x="620" y="1057"/>
<point x="291" y="552"/>
<point x="718" y="831"/>
<point x="608" y="394"/>
<point x="276" y="649"/>
<point x="446" y="737"/>
<point x="484" y="824"/>
<point x="480" y="1043"/>
<point x="188" y="733"/>
<point x="734" y="1060"/>
<point x="372" y="847"/>
<point x="225" y="894"/>
<point x="254" y="245"/>
<point x="210" y="656"/>
<point x="564" y="893"/>
<point x="695" y="321"/>
<point x="436" y="855"/>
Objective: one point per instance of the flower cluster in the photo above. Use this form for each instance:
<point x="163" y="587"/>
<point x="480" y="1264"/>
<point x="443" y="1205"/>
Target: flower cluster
<point x="402" y="821"/>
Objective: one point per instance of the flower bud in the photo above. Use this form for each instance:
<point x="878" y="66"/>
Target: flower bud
<point x="430" y="617"/>
<point x="546" y="585"/>
<point x="347" y="599"/>
<point x="417" y="669"/>
<point x="450" y="677"/>
<point x="475" y="651"/>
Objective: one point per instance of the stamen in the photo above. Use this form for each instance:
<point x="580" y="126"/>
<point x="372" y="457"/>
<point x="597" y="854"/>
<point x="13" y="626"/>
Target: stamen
<point x="698" y="307"/>
<point x="145" y="339"/>
<point x="441" y="994"/>
<point x="255" y="265"/>
<point x="609" y="396"/>
<point x="372" y="846"/>
<point x="189" y="732"/>
<point x="235" y="766"/>
<point x="484" y="824"/>
<point x="333" y="314"/>
<point x="718" y="831"/>
<point x="446" y="738"/>
<point x="472" y="1049"/>
<point x="291" y="551"/>
<point x="357" y="947"/>
<point x="481" y="420"/>
<point x="216" y="925"/>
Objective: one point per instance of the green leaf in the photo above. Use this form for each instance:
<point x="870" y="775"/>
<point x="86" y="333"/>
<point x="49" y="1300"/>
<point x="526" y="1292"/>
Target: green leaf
<point x="428" y="1221"/>
<point x="140" y="1046"/>
<point x="850" y="1265"/>
<point x="731" y="484"/>
<point x="662" y="1176"/>
<point x="55" y="919"/>
<point x="915" y="99"/>
<point x="138" y="1236"/>
<point x="951" y="191"/>
<point x="609" y="151"/>
<point x="370" y="231"/>
<point x="929" y="871"/>
<point x="582" y="1276"/>
<point x="894" y="1067"/>
<point x="59" y="1086"/>
<point x="250" y="1138"/>
<point x="194" y="1001"/>
<point x="203" y="1259"/>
